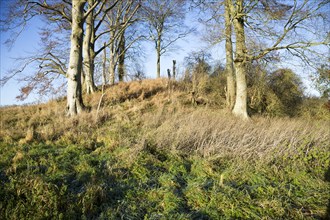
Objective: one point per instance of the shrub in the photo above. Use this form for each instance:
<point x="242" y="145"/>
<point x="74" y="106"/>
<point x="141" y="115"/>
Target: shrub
<point x="315" y="108"/>
<point x="287" y="86"/>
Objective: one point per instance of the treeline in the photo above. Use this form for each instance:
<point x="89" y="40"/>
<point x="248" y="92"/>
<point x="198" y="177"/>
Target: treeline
<point x="279" y="92"/>
<point x="106" y="37"/>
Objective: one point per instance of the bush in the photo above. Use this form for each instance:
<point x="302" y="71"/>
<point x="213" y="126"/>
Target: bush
<point x="287" y="86"/>
<point x="315" y="108"/>
<point x="276" y="94"/>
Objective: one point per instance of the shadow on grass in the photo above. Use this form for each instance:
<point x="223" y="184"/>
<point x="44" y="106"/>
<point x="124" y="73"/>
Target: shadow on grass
<point x="75" y="182"/>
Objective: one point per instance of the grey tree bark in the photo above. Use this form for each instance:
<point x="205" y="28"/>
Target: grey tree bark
<point x="158" y="49"/>
<point x="230" y="92"/>
<point x="112" y="63"/>
<point x="240" y="107"/>
<point x="88" y="52"/>
<point x="174" y="69"/>
<point x="121" y="58"/>
<point x="75" y="103"/>
<point x="118" y="21"/>
<point x="104" y="75"/>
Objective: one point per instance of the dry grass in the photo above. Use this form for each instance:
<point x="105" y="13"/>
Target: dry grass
<point x="125" y="91"/>
<point x="213" y="132"/>
<point x="170" y="121"/>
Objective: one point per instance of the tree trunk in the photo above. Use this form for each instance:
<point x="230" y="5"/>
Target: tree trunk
<point x="92" y="69"/>
<point x="88" y="52"/>
<point x="121" y="58"/>
<point x="112" y="64"/>
<point x="74" y="94"/>
<point x="174" y="69"/>
<point x="158" y="57"/>
<point x="112" y="69"/>
<point x="230" y="96"/>
<point x="104" y="77"/>
<point x="82" y="76"/>
<point x="240" y="108"/>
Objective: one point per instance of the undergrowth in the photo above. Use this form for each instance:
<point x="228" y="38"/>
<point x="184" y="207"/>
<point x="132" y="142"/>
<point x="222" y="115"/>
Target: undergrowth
<point x="149" y="154"/>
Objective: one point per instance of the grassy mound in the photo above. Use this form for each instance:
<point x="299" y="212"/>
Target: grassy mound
<point x="147" y="153"/>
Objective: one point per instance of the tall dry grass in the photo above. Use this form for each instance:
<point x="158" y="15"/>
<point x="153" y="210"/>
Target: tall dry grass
<point x="125" y="91"/>
<point x="212" y="132"/>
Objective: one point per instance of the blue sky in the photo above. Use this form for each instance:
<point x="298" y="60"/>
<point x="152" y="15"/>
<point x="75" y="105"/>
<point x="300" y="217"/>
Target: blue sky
<point x="27" y="42"/>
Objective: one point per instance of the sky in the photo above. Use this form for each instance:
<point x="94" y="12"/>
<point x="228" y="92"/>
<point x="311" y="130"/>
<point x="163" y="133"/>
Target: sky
<point x="29" y="39"/>
<point x="27" y="42"/>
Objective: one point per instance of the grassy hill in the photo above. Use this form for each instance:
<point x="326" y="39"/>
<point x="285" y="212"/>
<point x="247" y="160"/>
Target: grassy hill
<point x="145" y="152"/>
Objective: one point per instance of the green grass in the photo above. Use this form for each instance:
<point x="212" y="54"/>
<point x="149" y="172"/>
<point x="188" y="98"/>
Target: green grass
<point x="74" y="182"/>
<point x="156" y="159"/>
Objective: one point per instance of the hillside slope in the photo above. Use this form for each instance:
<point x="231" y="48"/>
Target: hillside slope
<point x="144" y="151"/>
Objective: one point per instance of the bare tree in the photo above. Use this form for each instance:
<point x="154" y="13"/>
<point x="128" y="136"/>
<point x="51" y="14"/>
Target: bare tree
<point x="93" y="32"/>
<point x="166" y="24"/>
<point x="240" y="108"/>
<point x="75" y="103"/>
<point x="42" y="71"/>
<point x="230" y="92"/>
<point x="321" y="80"/>
<point x="19" y="13"/>
<point x="198" y="67"/>
<point x="217" y="13"/>
<point x="121" y="57"/>
<point x="88" y="51"/>
<point x="286" y="28"/>
<point x="51" y="59"/>
<point x="118" y="21"/>
<point x="58" y="15"/>
<point x="268" y="30"/>
<point x="49" y="62"/>
<point x="57" y="12"/>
